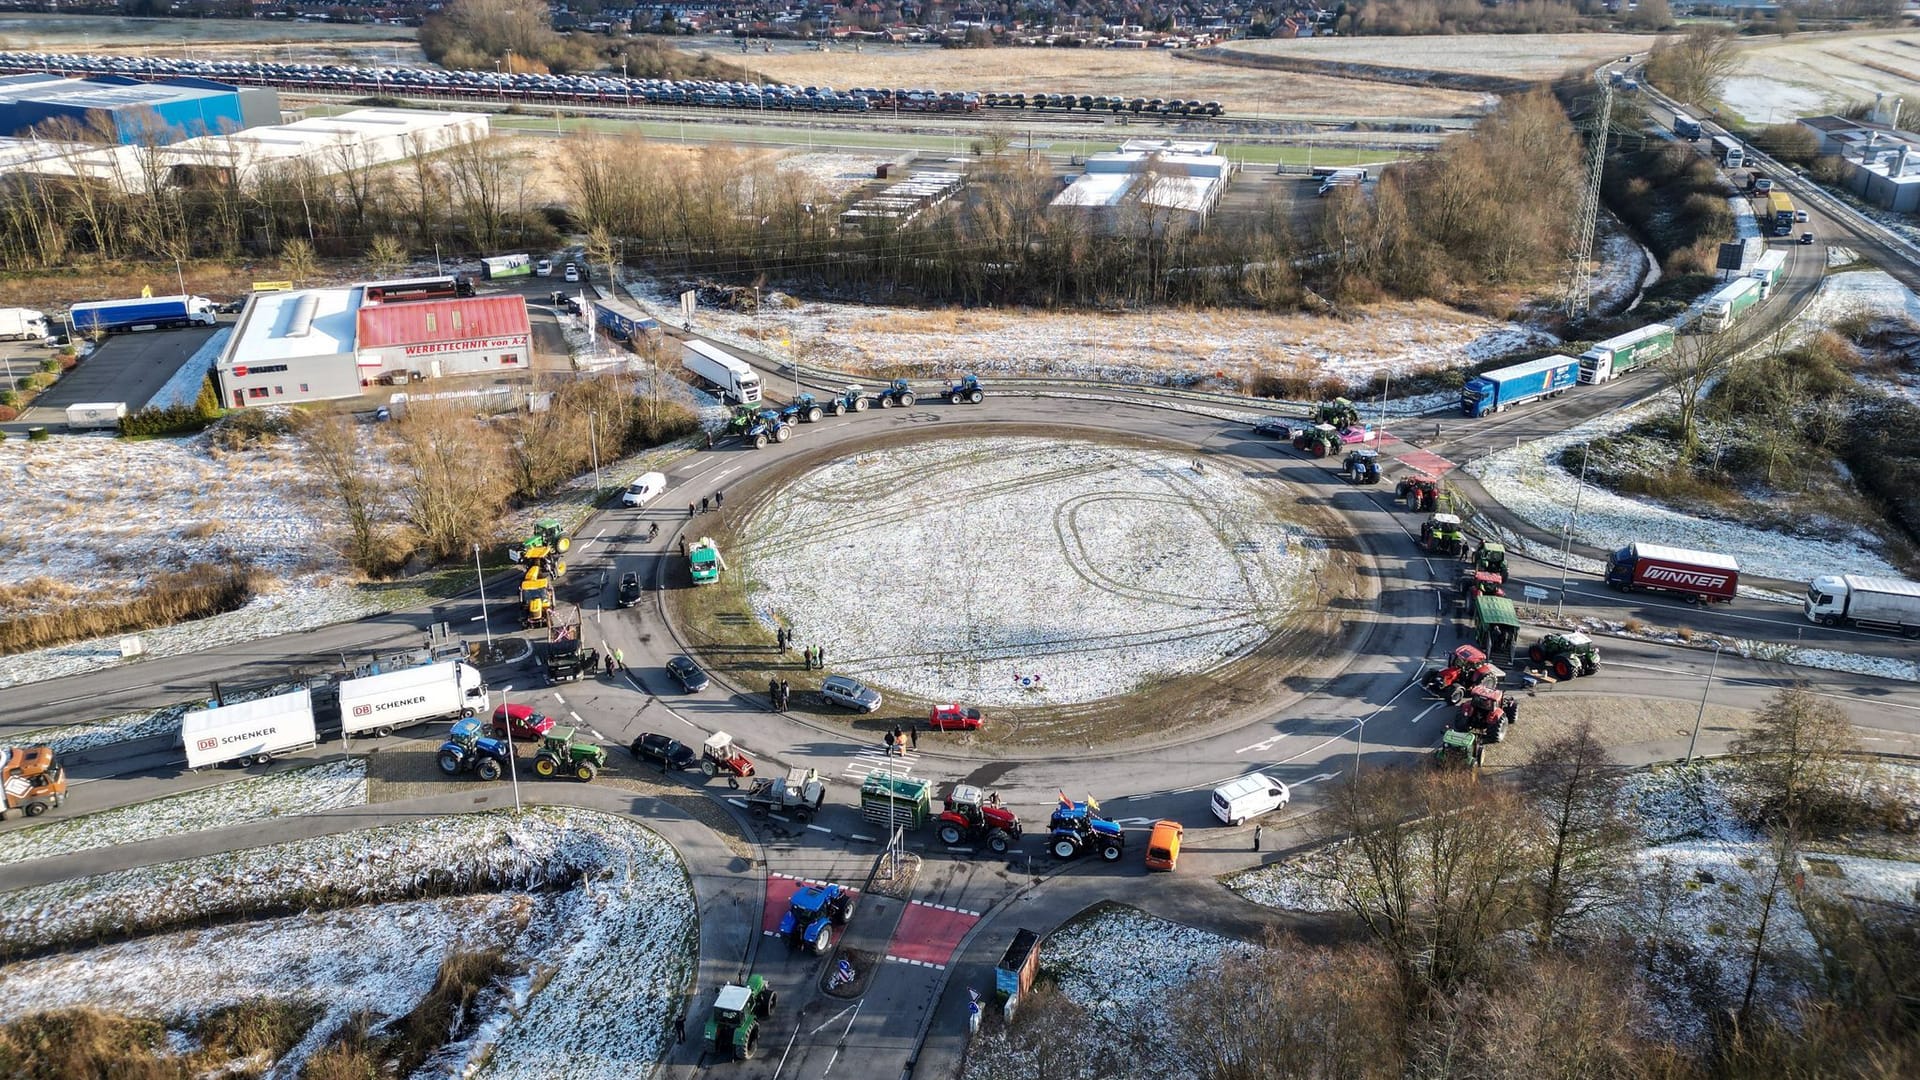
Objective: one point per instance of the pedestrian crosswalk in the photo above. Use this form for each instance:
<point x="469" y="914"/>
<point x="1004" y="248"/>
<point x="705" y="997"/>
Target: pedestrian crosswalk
<point x="876" y="759"/>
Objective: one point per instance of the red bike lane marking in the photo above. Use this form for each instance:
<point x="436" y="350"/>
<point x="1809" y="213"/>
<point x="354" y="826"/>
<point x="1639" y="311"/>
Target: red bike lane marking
<point x="929" y="933"/>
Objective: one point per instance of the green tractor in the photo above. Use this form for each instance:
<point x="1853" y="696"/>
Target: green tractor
<point x="1443" y="535"/>
<point x="1339" y="413"/>
<point x="1565" y="655"/>
<point x="1491" y="557"/>
<point x="734" y="1027"/>
<point x="559" y="753"/>
<point x="1321" y="440"/>
<point x="1459" y="750"/>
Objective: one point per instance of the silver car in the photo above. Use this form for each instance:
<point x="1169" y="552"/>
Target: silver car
<point x="849" y="693"/>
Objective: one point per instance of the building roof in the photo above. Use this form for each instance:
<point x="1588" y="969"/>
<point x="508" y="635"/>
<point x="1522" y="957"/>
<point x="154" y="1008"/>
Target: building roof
<point x="106" y="91"/>
<point x="282" y="326"/>
<point x="426" y="321"/>
<point x="1830" y="123"/>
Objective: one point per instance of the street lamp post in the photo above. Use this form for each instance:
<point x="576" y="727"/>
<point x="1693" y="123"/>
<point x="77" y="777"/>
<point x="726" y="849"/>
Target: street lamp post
<point x="1359" y="740"/>
<point x="1711" y="668"/>
<point x="485" y="623"/>
<point x="513" y="752"/>
<point x="1566" y="552"/>
<point x="593" y="440"/>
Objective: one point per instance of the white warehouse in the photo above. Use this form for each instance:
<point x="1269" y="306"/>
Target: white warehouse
<point x="1163" y="181"/>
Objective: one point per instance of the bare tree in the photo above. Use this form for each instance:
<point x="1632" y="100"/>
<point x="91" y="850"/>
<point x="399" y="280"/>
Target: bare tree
<point x="1694" y="66"/>
<point x="387" y="254"/>
<point x="1697" y="359"/>
<point x="1769" y="882"/>
<point x="1292" y="1011"/>
<point x="296" y="255"/>
<point x="480" y="174"/>
<point x="1586" y="841"/>
<point x="1795" y="754"/>
<point x="333" y="447"/>
<point x="451" y="486"/>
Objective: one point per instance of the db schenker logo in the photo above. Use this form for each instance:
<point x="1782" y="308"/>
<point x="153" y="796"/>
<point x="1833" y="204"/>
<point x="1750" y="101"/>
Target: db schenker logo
<point x="363" y="710"/>
<point x="207" y="744"/>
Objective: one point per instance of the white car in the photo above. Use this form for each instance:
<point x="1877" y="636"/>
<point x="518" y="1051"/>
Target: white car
<point x="643" y="489"/>
<point x="573" y="272"/>
<point x="543" y="268"/>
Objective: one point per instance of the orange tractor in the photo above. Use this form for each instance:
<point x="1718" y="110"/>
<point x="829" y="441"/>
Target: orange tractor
<point x="1486" y="713"/>
<point x="31" y="781"/>
<point x="1422" y="493"/>
<point x="1466" y="669"/>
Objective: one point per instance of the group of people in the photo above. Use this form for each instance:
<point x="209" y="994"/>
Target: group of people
<point x="778" y="694"/>
<point x="898" y="740"/>
<point x="711" y="502"/>
<point x="615" y="660"/>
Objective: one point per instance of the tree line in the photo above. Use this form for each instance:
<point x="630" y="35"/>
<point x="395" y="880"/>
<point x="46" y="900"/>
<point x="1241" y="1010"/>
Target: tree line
<point x="1474" y="940"/>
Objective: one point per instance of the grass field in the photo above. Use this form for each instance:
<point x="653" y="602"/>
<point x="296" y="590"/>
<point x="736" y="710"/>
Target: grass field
<point x="1129" y="73"/>
<point x="1808" y="74"/>
<point x="1519" y="55"/>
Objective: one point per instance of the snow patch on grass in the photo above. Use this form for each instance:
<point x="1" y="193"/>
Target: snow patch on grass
<point x="310" y="790"/>
<point x="1025" y="571"/>
<point x="1304" y="882"/>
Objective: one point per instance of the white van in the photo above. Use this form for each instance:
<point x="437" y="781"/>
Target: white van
<point x="1237" y="800"/>
<point x="643" y="489"/>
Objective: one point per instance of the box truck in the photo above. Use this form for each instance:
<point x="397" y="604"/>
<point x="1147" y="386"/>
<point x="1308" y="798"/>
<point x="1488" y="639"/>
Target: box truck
<point x="396" y="699"/>
<point x="624" y="323"/>
<point x="1700" y="576"/>
<point x="141" y="313"/>
<point x="18" y="323"/>
<point x="1548" y="376"/>
<point x="249" y="732"/>
<point x="721" y="370"/>
<point x="506" y="266"/>
<point x="96" y="416"/>
<point x="1851" y="600"/>
<point x="1727" y="304"/>
<point x="1616" y="356"/>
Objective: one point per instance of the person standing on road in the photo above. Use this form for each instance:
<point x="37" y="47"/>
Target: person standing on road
<point x="773" y="694"/>
<point x="914" y="734"/>
<point x="719" y="499"/>
<point x="705" y="504"/>
<point x="620" y="659"/>
<point x="608" y="662"/>
<point x="709" y="440"/>
<point x="680" y="1021"/>
<point x="653" y="530"/>
<point x="786" y="693"/>
<point x="689" y="515"/>
<point x="820" y="657"/>
<point x="1256" y="837"/>
<point x="890" y="744"/>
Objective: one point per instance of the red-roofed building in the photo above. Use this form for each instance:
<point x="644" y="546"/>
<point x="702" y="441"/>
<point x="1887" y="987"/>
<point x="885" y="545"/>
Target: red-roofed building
<point x="432" y="338"/>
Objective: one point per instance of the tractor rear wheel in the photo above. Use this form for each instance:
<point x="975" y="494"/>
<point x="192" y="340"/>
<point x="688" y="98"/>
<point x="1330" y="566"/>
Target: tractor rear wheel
<point x="859" y="404"/>
<point x="822" y="942"/>
<point x="1110" y="852"/>
<point x="1536" y="655"/>
<point x="585" y="771"/>
<point x="838" y="408"/>
<point x="975" y="397"/>
<point x="450" y="762"/>
<point x="545" y="766"/>
<point x="813" y="415"/>
<point x="1562" y="668"/>
<point x="844" y="913"/>
<point x="950" y="834"/>
<point x="783" y="434"/>
<point x="999" y="842"/>
<point x="1065" y="848"/>
<point x="488" y="769"/>
<point x="746" y="1047"/>
<point x="765" y="1008"/>
<point x="906" y="401"/>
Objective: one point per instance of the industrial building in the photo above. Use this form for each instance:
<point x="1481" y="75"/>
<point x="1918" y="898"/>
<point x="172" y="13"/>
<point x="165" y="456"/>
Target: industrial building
<point x="1161" y="180"/>
<point x="1881" y="162"/>
<point x="326" y="344"/>
<point x="131" y="111"/>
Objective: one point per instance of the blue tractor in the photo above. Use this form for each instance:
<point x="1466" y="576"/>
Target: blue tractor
<point x="466" y="750"/>
<point x="803" y="409"/>
<point x="812" y="914"/>
<point x="852" y="399"/>
<point x="967" y="390"/>
<point x="759" y="426"/>
<point x="1077" y="828"/>
<point x="898" y="392"/>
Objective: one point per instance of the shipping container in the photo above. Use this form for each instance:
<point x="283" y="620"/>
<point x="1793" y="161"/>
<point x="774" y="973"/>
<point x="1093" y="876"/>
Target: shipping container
<point x="98" y="416"/>
<point x="624" y="323"/>
<point x="1769" y="270"/>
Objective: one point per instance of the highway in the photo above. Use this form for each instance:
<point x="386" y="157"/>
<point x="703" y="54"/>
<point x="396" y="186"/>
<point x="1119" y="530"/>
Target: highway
<point x="1363" y="711"/>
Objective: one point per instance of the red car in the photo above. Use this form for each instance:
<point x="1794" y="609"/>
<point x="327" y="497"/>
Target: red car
<point x="954" y="716"/>
<point x="527" y="725"/>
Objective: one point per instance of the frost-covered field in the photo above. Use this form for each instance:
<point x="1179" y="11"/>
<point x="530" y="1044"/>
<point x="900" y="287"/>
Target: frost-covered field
<point x="310" y="790"/>
<point x="837" y="174"/>
<point x="1024" y="571"/>
<point x="1531" y="485"/>
<point x="121" y="510"/>
<point x="603" y="962"/>
<point x="1222" y="348"/>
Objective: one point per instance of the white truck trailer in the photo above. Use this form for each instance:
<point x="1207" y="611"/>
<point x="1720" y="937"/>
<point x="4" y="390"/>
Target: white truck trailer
<point x="1850" y="600"/>
<point x="96" y="416"/>
<point x="721" y="370"/>
<point x="17" y="323"/>
<point x="396" y="699"/>
<point x="249" y="732"/>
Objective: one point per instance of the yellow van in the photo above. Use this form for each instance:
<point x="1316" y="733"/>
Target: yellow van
<point x="1163" y="846"/>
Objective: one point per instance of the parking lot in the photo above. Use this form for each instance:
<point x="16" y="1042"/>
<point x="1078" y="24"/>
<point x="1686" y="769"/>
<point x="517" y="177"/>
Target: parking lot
<point x="126" y="367"/>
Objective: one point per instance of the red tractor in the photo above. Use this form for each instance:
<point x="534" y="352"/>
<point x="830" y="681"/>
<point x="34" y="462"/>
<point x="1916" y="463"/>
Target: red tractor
<point x="718" y="755"/>
<point x="954" y="716"/>
<point x="969" y="817"/>
<point x="1476" y="583"/>
<point x="1421" y="493"/>
<point x="1486" y="713"/>
<point x="1466" y="668"/>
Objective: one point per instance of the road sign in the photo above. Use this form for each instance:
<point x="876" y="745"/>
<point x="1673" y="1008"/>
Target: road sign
<point x="1533" y="592"/>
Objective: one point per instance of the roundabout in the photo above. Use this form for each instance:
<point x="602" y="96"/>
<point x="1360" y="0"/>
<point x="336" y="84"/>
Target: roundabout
<point x="1058" y="580"/>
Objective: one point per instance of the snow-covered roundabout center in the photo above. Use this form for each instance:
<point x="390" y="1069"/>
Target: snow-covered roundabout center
<point x="1031" y="572"/>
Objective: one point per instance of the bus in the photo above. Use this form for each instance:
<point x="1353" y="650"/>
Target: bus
<point x="1780" y="212"/>
<point x="1729" y="151"/>
<point x="426" y="288"/>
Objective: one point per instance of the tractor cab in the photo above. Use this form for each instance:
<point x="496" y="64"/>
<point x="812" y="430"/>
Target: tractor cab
<point x="1466" y="668"/>
<point x="1482" y="713"/>
<point x="1492" y="558"/>
<point x="812" y="914"/>
<point x="1480" y="583"/>
<point x="1338" y="413"/>
<point x="1319" y="441"/>
<point x="1458" y="750"/>
<point x="967" y="389"/>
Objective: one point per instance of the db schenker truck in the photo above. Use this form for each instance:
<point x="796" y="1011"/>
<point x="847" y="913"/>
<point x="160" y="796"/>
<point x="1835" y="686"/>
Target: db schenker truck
<point x="141" y="313"/>
<point x="1880" y="603"/>
<point x="395" y="699"/>
<point x="249" y="732"/>
<point x="1726" y="306"/>
<point x="1616" y="356"/>
<point x="721" y="370"/>
<point x="1699" y="576"/>
<point x="1493" y="391"/>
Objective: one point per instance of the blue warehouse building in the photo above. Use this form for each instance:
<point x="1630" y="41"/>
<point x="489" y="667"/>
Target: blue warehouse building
<point x="134" y="111"/>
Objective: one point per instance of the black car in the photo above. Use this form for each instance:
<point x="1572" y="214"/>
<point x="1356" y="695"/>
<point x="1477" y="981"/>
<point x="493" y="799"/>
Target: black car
<point x="687" y="674"/>
<point x="661" y="750"/>
<point x="629" y="590"/>
<point x="1278" y="427"/>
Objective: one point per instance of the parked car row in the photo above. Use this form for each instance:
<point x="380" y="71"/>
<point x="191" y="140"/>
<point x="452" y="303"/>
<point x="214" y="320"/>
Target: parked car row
<point x="601" y="89"/>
